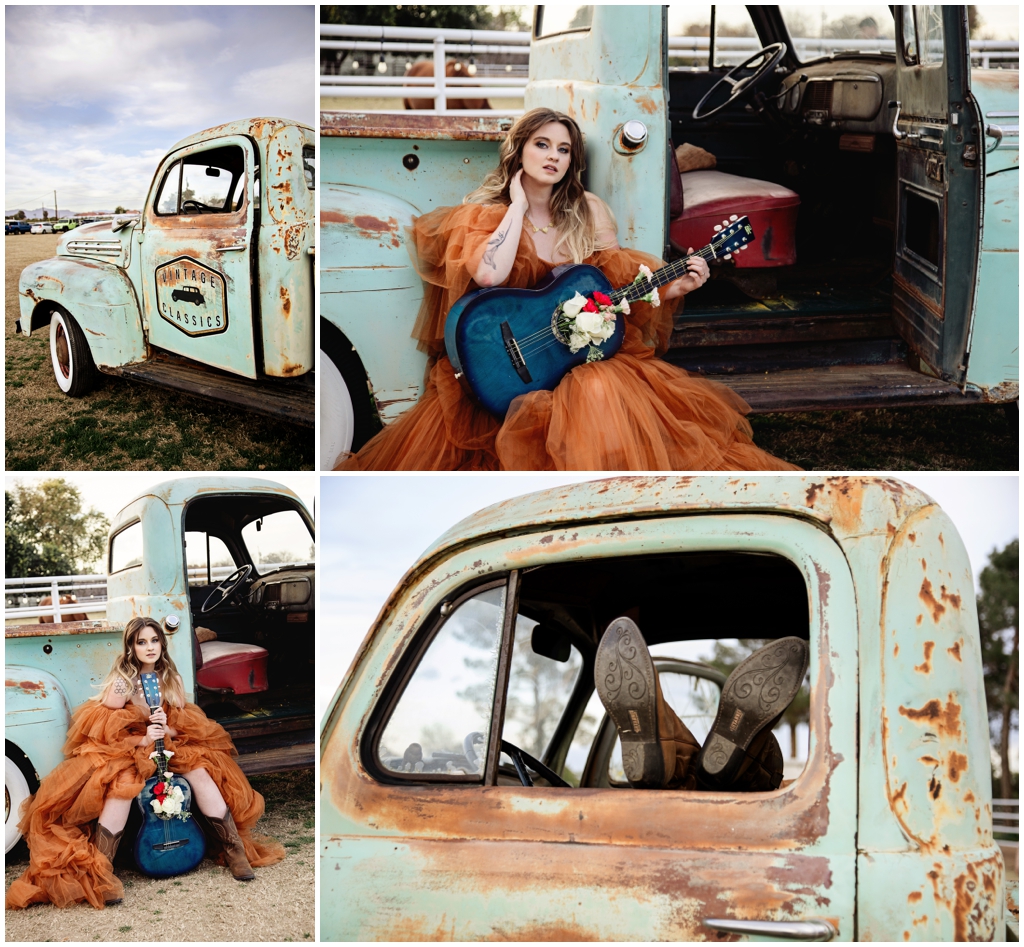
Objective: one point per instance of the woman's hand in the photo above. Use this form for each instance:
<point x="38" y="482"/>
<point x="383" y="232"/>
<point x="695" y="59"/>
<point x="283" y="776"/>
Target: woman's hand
<point x="159" y="716"/>
<point x="516" y="193"/>
<point x="697" y="274"/>
<point x="154" y="732"/>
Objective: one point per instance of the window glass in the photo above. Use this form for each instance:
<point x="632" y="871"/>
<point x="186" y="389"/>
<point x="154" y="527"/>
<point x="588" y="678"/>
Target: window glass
<point x="126" y="548"/>
<point x="562" y="18"/>
<point x="212" y="182"/>
<point x="689" y="30"/>
<point x="820" y="29"/>
<point x="544" y="669"/>
<point x="167" y="199"/>
<point x="441" y="723"/>
<point x="203" y="571"/>
<point x="929" y="34"/>
<point x="277" y="539"/>
<point x="309" y="165"/>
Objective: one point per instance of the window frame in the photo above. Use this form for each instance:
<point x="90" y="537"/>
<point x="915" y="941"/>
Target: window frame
<point x="179" y="160"/>
<point x="110" y="548"/>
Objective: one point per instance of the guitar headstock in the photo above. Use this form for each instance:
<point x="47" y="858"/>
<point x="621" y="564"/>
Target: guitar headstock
<point x="151" y="688"/>
<point x="732" y="237"/>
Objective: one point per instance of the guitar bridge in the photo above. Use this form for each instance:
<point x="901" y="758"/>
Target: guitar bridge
<point x="170" y="846"/>
<point x="515" y="356"/>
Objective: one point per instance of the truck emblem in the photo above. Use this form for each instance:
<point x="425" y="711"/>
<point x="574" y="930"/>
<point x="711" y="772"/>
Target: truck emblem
<point x="191" y="297"/>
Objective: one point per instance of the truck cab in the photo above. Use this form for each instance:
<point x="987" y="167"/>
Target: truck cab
<point x="882" y="184"/>
<point x="226" y="564"/>
<point x="209" y="290"/>
<point x="472" y="786"/>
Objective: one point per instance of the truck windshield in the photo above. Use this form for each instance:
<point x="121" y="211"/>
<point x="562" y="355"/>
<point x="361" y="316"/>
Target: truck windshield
<point x="278" y="539"/>
<point x="820" y="30"/>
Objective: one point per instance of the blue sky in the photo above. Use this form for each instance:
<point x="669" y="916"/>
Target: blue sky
<point x="96" y="95"/>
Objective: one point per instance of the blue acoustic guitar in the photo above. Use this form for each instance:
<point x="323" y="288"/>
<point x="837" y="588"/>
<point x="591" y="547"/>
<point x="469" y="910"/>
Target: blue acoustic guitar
<point x="505" y="342"/>
<point x="169" y="842"/>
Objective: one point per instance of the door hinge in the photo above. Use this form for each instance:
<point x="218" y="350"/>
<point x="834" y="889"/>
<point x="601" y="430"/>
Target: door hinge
<point x="970" y="156"/>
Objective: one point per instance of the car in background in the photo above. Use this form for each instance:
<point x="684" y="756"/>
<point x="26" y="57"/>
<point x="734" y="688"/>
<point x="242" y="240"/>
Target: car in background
<point x="16" y="226"/>
<point x="62" y="226"/>
<point x="42" y="228"/>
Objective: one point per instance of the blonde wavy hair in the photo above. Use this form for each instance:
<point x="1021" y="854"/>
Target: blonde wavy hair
<point x="127" y="668"/>
<point x="570" y="209"/>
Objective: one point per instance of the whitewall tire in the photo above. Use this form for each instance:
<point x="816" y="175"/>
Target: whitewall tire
<point x="337" y="417"/>
<point x="16" y="791"/>
<point x="72" y="363"/>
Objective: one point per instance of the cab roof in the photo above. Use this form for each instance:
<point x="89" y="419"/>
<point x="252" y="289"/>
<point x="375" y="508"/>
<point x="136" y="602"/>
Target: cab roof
<point x="258" y="128"/>
<point x="180" y="490"/>
<point x="846" y="506"/>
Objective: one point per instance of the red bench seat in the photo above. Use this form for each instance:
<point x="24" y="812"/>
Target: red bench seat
<point x="242" y="668"/>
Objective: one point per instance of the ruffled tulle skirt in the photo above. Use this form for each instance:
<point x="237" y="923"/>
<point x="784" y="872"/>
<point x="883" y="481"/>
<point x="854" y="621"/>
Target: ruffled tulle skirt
<point x="58" y="822"/>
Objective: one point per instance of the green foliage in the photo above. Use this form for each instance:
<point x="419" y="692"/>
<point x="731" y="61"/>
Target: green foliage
<point x="48" y="532"/>
<point x="455" y="16"/>
<point x="20" y="215"/>
<point x="1000" y="646"/>
<point x="119" y="209"/>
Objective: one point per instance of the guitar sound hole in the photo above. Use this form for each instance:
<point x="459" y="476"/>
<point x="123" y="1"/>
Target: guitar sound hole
<point x="556" y="331"/>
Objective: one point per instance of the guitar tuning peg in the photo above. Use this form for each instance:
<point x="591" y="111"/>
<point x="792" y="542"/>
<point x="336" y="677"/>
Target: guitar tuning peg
<point x="728" y="256"/>
<point x="725" y="223"/>
<point x="734" y="217"/>
<point x="718" y="227"/>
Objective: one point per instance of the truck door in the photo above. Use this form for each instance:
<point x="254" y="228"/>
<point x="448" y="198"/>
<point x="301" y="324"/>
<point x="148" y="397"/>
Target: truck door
<point x="940" y="180"/>
<point x="197" y="255"/>
<point x="604" y="66"/>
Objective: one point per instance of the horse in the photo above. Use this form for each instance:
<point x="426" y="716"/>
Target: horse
<point x="64" y="600"/>
<point x="425" y="67"/>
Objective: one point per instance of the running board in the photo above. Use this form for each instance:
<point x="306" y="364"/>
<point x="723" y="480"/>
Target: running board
<point x="845" y="386"/>
<point x="284" y="399"/>
<point x="278" y="759"/>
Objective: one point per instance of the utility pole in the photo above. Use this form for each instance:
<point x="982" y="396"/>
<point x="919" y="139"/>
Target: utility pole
<point x="56" y="215"/>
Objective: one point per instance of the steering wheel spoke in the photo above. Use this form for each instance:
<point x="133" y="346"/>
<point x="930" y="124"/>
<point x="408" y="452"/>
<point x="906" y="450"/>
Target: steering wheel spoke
<point x="223" y="592"/>
<point x="521" y="759"/>
<point x="768" y="58"/>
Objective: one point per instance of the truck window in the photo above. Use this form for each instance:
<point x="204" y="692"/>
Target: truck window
<point x="440" y="726"/>
<point x="126" y="548"/>
<point x="204" y="182"/>
<point x="207" y="558"/>
<point x="735" y="36"/>
<point x="309" y="166"/>
<point x="922" y="34"/>
<point x="563" y="19"/>
<point x="278" y="538"/>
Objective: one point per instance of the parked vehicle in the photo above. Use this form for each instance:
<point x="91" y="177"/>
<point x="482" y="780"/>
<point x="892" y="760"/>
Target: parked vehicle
<point x="62" y="226"/>
<point x="882" y="188"/>
<point x="229" y="222"/>
<point x="253" y="671"/>
<point x="41" y="228"/>
<point x="486" y="649"/>
<point x="17" y="226"/>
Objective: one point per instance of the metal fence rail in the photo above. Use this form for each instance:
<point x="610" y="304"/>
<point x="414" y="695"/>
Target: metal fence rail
<point x="730" y="50"/>
<point x="22" y="596"/>
<point x="1006" y="821"/>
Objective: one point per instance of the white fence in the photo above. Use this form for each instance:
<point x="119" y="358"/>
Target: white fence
<point x="730" y="50"/>
<point x="22" y="596"/>
<point x="1006" y="820"/>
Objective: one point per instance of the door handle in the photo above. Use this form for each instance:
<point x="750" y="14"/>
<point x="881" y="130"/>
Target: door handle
<point x="814" y="929"/>
<point x="241" y="246"/>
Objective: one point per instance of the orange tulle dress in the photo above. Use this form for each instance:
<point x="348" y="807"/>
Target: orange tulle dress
<point x="102" y="759"/>
<point x="633" y="411"/>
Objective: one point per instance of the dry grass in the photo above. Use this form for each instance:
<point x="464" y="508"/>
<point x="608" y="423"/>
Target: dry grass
<point x="206" y="904"/>
<point x="123" y="425"/>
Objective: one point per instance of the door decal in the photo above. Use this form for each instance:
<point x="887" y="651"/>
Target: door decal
<point x="191" y="297"/>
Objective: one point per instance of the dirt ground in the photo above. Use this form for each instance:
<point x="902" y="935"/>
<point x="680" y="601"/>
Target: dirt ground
<point x="206" y="904"/>
<point x="123" y="425"/>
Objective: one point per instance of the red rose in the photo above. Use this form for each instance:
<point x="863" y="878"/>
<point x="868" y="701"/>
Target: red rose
<point x="160" y="789"/>
<point x="590" y="307"/>
<point x="601" y="299"/>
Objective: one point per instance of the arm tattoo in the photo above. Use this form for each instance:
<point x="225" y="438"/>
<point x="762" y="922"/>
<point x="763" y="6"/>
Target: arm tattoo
<point x="492" y="247"/>
<point x="120" y="687"/>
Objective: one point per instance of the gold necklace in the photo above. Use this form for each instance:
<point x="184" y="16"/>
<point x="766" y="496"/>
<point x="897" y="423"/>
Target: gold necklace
<point x="537" y="229"/>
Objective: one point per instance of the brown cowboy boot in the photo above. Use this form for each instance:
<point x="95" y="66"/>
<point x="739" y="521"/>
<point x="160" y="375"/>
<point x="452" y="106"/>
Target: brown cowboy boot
<point x="753" y="700"/>
<point x="234" y="850"/>
<point x="106" y="844"/>
<point x="657" y="748"/>
<point x="761" y="770"/>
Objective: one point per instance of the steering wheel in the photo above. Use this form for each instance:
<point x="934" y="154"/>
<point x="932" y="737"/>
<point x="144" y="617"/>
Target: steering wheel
<point x="520" y="758"/>
<point x="740" y="87"/>
<point x="219" y="595"/>
<point x="198" y="205"/>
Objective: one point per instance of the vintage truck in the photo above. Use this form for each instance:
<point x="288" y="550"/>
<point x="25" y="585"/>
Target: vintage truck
<point x="883" y="188"/>
<point x="254" y="675"/>
<point x="210" y="291"/>
<point x="467" y="793"/>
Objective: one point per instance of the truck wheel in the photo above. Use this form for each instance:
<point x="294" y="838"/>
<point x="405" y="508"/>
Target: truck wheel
<point x="16" y="791"/>
<point x="347" y="415"/>
<point x="73" y="366"/>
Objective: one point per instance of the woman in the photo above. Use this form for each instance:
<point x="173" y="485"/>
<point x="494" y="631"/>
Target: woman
<point x="630" y="412"/>
<point x="74" y="823"/>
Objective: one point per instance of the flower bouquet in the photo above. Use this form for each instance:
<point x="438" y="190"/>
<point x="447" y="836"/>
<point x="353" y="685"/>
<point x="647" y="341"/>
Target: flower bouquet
<point x="588" y="321"/>
<point x="168" y="799"/>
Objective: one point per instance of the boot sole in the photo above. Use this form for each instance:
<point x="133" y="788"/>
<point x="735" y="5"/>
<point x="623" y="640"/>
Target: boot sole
<point x="756" y="694"/>
<point x="624" y="678"/>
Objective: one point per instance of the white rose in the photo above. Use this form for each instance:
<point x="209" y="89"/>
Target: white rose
<point x="572" y="307"/>
<point x="577" y="340"/>
<point x="155" y="803"/>
<point x="590" y="323"/>
<point x="176" y="794"/>
<point x="172" y="806"/>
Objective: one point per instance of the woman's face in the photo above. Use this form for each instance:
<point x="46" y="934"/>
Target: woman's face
<point x="147" y="646"/>
<point x="546" y="154"/>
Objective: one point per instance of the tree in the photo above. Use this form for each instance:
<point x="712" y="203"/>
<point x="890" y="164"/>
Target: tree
<point x="20" y="215"/>
<point x="1000" y="646"/>
<point x="48" y="532"/>
<point x="46" y="215"/>
<point x="461" y="16"/>
<point x="727" y="657"/>
<point x="119" y="210"/>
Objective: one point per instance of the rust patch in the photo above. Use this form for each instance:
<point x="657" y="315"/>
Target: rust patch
<point x="412" y="126"/>
<point x="286" y="303"/>
<point x="957" y="765"/>
<point x="334" y="217"/>
<point x="954" y="652"/>
<point x="899" y="795"/>
<point x="28" y="686"/>
<point x="931" y="602"/>
<point x="293" y="241"/>
<point x="812" y="492"/>
<point x="375" y="225"/>
<point x="925" y="667"/>
<point x="647" y="104"/>
<point x="895" y="650"/>
<point x="290" y="368"/>
<point x="934" y="788"/>
<point x="968" y="796"/>
<point x="945" y="719"/>
<point x="952" y="597"/>
<point x="914" y="897"/>
<point x="975" y="911"/>
<point x="912" y="537"/>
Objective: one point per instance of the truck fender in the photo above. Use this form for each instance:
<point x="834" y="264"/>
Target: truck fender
<point x="98" y="295"/>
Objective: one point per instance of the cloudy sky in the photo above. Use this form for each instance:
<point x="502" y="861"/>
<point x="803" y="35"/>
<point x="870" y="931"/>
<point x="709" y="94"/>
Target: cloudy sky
<point x="95" y="96"/>
<point x="373" y="528"/>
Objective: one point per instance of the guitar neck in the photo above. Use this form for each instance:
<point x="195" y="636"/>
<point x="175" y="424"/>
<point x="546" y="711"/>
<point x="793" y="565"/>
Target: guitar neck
<point x="666" y="274"/>
<point x="158" y="745"/>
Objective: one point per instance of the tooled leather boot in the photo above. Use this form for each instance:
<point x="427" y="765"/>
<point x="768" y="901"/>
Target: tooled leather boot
<point x="234" y="850"/>
<point x="657" y="748"/>
<point x="753" y="700"/>
<point x="106" y="844"/>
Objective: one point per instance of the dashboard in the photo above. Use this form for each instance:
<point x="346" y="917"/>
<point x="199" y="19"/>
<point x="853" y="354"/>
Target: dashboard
<point x="846" y="95"/>
<point x="293" y="590"/>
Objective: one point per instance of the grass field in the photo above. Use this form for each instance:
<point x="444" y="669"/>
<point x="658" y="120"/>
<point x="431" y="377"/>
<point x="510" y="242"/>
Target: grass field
<point x="123" y="425"/>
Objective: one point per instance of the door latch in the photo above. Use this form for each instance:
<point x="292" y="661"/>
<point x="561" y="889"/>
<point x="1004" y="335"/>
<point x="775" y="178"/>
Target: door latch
<point x="970" y="156"/>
